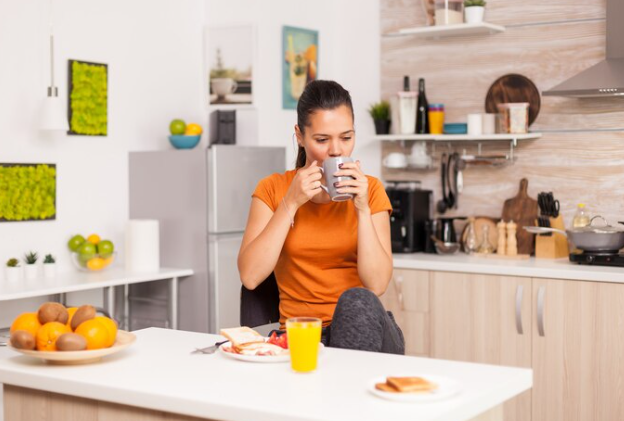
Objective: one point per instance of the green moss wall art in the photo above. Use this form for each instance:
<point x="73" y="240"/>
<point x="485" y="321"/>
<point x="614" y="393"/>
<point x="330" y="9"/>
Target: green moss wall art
<point x="27" y="192"/>
<point x="88" y="98"/>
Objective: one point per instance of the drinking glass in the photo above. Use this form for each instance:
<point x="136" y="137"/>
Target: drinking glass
<point x="304" y="337"/>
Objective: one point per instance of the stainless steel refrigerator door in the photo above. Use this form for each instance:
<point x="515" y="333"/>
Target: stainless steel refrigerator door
<point x="233" y="173"/>
<point x="226" y="284"/>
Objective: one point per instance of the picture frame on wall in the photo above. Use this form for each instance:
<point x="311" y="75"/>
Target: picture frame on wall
<point x="230" y="58"/>
<point x="87" y="98"/>
<point x="27" y="192"/>
<point x="299" y="63"/>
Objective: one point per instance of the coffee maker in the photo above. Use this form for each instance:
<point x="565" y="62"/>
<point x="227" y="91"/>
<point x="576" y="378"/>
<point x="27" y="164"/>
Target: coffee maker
<point x="411" y="209"/>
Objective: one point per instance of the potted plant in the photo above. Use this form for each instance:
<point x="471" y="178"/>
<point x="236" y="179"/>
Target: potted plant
<point x="380" y="112"/>
<point x="12" y="270"/>
<point x="49" y="266"/>
<point x="474" y="10"/>
<point x="31" y="265"/>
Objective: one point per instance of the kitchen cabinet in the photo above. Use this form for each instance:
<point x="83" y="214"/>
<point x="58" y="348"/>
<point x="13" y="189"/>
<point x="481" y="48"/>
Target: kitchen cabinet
<point x="407" y="297"/>
<point x="483" y="319"/>
<point x="578" y="351"/>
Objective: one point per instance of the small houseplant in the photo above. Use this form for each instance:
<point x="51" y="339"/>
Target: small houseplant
<point x="49" y="266"/>
<point x="30" y="268"/>
<point x="474" y="10"/>
<point x="380" y="112"/>
<point x="12" y="270"/>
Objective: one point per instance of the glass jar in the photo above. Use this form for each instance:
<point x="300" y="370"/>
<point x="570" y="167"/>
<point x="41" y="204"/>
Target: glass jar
<point x="486" y="247"/>
<point x="471" y="244"/>
<point x="448" y="12"/>
<point x="436" y="118"/>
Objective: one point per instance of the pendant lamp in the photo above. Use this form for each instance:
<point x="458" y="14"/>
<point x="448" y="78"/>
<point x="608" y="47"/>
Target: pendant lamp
<point x="53" y="114"/>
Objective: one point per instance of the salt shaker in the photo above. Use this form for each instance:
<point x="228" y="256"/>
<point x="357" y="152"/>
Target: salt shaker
<point x="512" y="243"/>
<point x="502" y="236"/>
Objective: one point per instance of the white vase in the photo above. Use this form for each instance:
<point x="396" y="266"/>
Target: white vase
<point x="49" y="270"/>
<point x="474" y="14"/>
<point x="31" y="271"/>
<point x="13" y="275"/>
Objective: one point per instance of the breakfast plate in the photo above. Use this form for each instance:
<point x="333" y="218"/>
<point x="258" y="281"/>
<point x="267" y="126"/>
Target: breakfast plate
<point x="447" y="388"/>
<point x="124" y="340"/>
<point x="285" y="357"/>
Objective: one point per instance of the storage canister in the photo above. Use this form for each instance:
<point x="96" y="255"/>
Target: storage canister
<point x="436" y="118"/>
<point x="514" y="117"/>
<point x="448" y="12"/>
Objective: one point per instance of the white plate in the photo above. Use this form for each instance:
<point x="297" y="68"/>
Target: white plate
<point x="447" y="388"/>
<point x="260" y="358"/>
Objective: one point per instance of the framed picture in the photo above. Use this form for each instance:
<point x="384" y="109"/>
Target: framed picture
<point x="27" y="192"/>
<point x="300" y="63"/>
<point x="230" y="59"/>
<point x="88" y="98"/>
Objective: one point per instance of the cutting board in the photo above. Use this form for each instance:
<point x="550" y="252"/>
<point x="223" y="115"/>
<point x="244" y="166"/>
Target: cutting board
<point x="523" y="211"/>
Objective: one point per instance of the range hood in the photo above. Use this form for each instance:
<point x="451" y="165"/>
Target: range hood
<point x="607" y="77"/>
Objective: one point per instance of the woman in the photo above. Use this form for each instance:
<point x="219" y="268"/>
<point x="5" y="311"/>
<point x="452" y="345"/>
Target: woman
<point x="331" y="259"/>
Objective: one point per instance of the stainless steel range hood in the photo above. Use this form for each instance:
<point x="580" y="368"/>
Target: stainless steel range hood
<point x="607" y="77"/>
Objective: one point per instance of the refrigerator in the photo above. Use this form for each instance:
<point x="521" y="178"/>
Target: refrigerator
<point x="201" y="199"/>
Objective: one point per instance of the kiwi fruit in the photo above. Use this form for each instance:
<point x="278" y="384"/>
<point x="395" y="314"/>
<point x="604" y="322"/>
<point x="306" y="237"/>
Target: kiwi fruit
<point x="84" y="313"/>
<point x="71" y="342"/>
<point x="52" y="312"/>
<point x="22" y="339"/>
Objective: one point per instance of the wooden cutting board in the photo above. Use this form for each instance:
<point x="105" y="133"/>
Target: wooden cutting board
<point x="523" y="211"/>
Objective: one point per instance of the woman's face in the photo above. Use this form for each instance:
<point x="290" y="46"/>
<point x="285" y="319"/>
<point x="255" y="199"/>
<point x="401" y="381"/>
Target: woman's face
<point x="330" y="133"/>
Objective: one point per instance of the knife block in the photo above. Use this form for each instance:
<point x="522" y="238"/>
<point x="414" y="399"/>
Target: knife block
<point x="554" y="246"/>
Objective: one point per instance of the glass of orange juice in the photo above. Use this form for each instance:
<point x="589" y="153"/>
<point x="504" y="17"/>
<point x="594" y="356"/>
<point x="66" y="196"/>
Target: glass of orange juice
<point x="304" y="337"/>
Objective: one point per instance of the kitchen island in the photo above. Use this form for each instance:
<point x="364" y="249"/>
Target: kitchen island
<point x="157" y="377"/>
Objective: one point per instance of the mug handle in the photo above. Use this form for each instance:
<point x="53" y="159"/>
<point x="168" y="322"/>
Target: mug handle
<point x="235" y="86"/>
<point x="322" y="186"/>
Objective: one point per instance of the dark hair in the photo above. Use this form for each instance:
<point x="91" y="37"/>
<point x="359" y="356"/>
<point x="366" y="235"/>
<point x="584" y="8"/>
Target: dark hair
<point x="319" y="95"/>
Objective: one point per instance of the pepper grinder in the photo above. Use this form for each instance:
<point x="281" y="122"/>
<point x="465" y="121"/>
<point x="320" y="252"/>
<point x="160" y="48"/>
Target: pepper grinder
<point x="502" y="243"/>
<point x="512" y="243"/>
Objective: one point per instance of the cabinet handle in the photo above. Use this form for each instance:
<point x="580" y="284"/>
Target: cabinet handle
<point x="519" y="294"/>
<point x="541" y="292"/>
<point x="398" y="283"/>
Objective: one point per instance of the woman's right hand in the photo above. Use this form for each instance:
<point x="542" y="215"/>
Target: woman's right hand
<point x="305" y="185"/>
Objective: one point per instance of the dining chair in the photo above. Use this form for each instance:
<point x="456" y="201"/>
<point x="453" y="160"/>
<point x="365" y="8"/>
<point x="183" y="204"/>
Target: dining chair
<point x="260" y="306"/>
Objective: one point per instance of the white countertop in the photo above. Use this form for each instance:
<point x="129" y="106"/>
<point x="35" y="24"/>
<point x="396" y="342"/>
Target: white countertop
<point x="158" y="372"/>
<point x="533" y="268"/>
<point x="82" y="281"/>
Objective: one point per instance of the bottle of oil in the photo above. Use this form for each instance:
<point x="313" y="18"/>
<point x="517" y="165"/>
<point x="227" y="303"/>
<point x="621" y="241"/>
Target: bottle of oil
<point x="422" y="109"/>
<point x="581" y="217"/>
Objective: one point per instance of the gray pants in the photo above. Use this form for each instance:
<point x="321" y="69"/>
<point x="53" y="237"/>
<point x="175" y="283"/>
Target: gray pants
<point x="361" y="322"/>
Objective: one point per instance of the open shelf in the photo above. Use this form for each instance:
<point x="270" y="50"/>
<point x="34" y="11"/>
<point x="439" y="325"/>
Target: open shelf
<point x="459" y="137"/>
<point x="443" y="31"/>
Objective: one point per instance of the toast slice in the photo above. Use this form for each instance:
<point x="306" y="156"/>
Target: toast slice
<point x="257" y="348"/>
<point x="241" y="335"/>
<point x="411" y="384"/>
<point x="385" y="387"/>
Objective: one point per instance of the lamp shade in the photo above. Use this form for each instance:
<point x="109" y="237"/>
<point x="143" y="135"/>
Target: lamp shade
<point x="53" y="116"/>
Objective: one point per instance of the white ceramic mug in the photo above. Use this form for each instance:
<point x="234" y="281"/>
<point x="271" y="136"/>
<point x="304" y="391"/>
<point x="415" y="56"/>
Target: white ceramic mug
<point x="395" y="160"/>
<point x="488" y="124"/>
<point x="475" y="124"/>
<point x="223" y="86"/>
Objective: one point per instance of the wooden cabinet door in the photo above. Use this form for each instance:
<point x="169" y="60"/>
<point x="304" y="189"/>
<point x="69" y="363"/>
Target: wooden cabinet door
<point x="407" y="297"/>
<point x="478" y="318"/>
<point x="578" y="351"/>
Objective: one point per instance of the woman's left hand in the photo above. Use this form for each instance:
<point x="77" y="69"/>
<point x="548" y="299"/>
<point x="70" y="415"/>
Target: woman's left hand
<point x="358" y="186"/>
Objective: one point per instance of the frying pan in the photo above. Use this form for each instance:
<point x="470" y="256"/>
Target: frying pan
<point x="513" y="88"/>
<point x="590" y="238"/>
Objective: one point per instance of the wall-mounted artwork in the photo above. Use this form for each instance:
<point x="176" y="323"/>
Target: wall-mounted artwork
<point x="88" y="98"/>
<point x="300" y="63"/>
<point x="27" y="192"/>
<point x="229" y="58"/>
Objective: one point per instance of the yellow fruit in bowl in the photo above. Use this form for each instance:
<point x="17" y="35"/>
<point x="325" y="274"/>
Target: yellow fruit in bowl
<point x="93" y="238"/>
<point x="48" y="334"/>
<point x="111" y="326"/>
<point x="96" y="263"/>
<point x="193" y="129"/>
<point x="96" y="333"/>
<point x="28" y="322"/>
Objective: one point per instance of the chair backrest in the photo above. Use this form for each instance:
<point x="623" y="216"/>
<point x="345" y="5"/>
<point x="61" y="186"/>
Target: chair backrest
<point x="261" y="305"/>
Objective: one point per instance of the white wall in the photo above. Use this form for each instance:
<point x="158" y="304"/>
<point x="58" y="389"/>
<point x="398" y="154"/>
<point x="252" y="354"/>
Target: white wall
<point x="348" y="53"/>
<point x="154" y="52"/>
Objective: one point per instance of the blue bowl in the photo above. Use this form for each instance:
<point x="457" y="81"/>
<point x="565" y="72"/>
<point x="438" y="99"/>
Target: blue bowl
<point x="180" y="141"/>
<point x="455" y="128"/>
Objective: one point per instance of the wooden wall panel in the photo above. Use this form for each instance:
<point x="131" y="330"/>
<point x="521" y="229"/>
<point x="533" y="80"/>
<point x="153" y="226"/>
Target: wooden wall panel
<point x="584" y="165"/>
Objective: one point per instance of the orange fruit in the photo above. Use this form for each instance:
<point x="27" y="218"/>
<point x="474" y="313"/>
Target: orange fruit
<point x="111" y="326"/>
<point x="71" y="311"/>
<point x="93" y="238"/>
<point x="193" y="129"/>
<point x="28" y="322"/>
<point x="96" y="263"/>
<point x="49" y="333"/>
<point x="95" y="332"/>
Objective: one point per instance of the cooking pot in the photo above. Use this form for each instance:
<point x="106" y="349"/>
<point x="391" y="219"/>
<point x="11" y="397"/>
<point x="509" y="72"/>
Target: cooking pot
<point x="605" y="238"/>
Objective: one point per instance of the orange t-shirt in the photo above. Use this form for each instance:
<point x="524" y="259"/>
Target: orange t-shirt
<point x="319" y="259"/>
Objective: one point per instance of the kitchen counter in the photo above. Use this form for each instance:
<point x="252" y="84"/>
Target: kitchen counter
<point x="533" y="268"/>
<point x="158" y="373"/>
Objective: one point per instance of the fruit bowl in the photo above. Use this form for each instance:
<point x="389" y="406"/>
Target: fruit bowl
<point x="181" y="141"/>
<point x="92" y="262"/>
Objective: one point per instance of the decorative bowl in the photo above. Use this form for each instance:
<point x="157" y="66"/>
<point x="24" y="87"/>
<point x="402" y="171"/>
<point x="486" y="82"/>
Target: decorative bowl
<point x="446" y="248"/>
<point x="184" y="142"/>
<point x="92" y="262"/>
